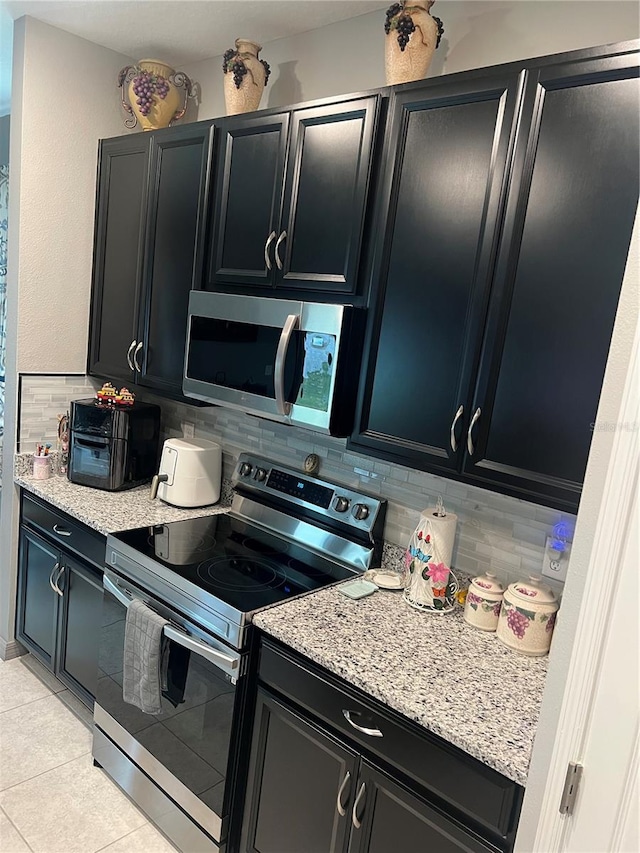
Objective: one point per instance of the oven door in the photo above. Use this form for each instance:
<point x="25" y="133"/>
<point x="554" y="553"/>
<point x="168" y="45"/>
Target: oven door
<point x="187" y="749"/>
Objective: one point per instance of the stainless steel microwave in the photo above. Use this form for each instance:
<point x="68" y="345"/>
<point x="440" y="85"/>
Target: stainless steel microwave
<point x="295" y="362"/>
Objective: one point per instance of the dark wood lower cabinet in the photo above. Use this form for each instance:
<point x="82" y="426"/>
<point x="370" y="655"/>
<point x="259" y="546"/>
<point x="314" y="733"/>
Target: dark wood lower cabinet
<point x="391" y="818"/>
<point x="293" y="796"/>
<point x="37" y="600"/>
<point x="79" y="616"/>
<point x="313" y="789"/>
<point x="59" y="607"/>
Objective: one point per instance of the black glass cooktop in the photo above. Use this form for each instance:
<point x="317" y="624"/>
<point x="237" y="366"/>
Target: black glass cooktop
<point x="233" y="560"/>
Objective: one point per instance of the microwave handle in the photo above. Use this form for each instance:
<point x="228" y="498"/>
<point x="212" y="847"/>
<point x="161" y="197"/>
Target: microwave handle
<point x="226" y="662"/>
<point x="281" y="356"/>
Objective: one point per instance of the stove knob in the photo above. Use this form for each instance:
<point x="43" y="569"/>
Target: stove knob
<point x="342" y="504"/>
<point x="360" y="512"/>
<point x="260" y="474"/>
<point x="245" y="469"/>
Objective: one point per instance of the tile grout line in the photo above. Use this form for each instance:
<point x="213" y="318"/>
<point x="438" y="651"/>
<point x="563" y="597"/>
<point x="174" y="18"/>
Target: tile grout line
<point x="31" y="702"/>
<point x="29" y="847"/>
<point x="43" y="773"/>
<point x="126" y="835"/>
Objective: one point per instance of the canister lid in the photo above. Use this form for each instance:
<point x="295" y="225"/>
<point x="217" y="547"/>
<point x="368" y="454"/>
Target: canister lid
<point x="488" y="583"/>
<point x="532" y="591"/>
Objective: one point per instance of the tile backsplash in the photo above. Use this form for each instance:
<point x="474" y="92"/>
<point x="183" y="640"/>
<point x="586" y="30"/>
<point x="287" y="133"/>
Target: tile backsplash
<point x="495" y="532"/>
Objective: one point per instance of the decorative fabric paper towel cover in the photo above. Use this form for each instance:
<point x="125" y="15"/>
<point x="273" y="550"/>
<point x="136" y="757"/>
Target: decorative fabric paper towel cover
<point x="431" y="585"/>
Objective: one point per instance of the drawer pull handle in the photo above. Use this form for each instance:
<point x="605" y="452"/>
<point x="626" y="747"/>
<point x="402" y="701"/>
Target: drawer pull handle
<point x="363" y="729"/>
<point x="354" y="813"/>
<point x="341" y="809"/>
<point x="61" y="531"/>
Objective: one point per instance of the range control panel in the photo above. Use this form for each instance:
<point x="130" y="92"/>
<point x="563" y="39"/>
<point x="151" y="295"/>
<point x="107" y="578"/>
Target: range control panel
<point x="356" y="509"/>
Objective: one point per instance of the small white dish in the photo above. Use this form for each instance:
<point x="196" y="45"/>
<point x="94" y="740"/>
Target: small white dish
<point x="385" y="580"/>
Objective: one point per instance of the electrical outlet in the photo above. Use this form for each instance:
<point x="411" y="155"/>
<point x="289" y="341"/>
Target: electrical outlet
<point x="188" y="429"/>
<point x="556" y="562"/>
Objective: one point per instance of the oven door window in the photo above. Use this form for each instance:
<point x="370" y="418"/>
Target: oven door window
<point x="192" y="734"/>
<point x="242" y="356"/>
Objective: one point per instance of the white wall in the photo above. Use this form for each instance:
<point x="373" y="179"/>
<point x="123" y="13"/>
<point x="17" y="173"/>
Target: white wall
<point x="349" y="56"/>
<point x="64" y="98"/>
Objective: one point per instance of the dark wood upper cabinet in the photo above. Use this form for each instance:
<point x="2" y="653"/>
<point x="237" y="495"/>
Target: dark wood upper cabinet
<point x="246" y="212"/>
<point x="326" y="190"/>
<point x="118" y="254"/>
<point x="568" y="223"/>
<point x="291" y="198"/>
<point x="441" y="199"/>
<point x="149" y="247"/>
<point x="500" y="272"/>
<point x="174" y="251"/>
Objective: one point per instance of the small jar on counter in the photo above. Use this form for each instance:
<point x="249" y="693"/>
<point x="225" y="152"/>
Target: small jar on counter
<point x="483" y="602"/>
<point x="528" y="617"/>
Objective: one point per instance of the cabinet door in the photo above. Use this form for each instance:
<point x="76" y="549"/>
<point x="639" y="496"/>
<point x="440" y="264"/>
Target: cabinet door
<point x="326" y="192"/>
<point x="118" y="255"/>
<point x="568" y="223"/>
<point x="248" y="196"/>
<point x="297" y="775"/>
<point x="175" y="242"/>
<point x="79" y="628"/>
<point x="37" y="601"/>
<point x="387" y="817"/>
<point x="441" y="200"/>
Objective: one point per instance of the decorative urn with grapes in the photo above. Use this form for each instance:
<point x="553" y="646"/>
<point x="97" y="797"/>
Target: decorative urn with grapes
<point x="245" y="77"/>
<point x="412" y="36"/>
<point x="528" y="617"/>
<point x="157" y="94"/>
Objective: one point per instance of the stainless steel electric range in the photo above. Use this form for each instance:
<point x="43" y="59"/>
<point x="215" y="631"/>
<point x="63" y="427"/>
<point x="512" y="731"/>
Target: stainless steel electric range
<point x="286" y="534"/>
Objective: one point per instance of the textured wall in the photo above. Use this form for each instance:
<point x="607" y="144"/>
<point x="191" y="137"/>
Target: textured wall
<point x="349" y="56"/>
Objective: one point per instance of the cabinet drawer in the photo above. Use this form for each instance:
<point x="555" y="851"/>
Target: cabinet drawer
<point x="456" y="778"/>
<point x="66" y="532"/>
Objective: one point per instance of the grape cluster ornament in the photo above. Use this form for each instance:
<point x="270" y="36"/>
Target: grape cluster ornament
<point x="412" y="36"/>
<point x="245" y="77"/>
<point x="151" y="94"/>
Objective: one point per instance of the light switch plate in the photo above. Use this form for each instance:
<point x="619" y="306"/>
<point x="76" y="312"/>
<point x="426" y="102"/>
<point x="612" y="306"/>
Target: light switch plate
<point x="555" y="563"/>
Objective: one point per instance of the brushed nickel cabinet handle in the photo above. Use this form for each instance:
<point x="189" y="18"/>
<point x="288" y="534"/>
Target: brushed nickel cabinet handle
<point x="340" y="808"/>
<point x="282" y="237"/>
<point x="135" y="357"/>
<point x="452" y="434"/>
<point x="474" y="420"/>
<point x="131" y="367"/>
<point x="267" y="259"/>
<point x="55" y="582"/>
<point x="354" y="811"/>
<point x="61" y="531"/>
<point x="53" y="571"/>
<point x="365" y="731"/>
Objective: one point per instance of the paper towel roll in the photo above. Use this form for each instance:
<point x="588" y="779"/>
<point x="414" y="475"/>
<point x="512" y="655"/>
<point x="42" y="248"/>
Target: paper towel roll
<point x="429" y="559"/>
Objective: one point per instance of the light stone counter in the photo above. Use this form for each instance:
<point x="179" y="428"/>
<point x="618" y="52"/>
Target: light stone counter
<point x="108" y="512"/>
<point x="456" y="681"/>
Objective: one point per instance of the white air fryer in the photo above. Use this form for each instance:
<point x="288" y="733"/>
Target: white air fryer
<point x="190" y="473"/>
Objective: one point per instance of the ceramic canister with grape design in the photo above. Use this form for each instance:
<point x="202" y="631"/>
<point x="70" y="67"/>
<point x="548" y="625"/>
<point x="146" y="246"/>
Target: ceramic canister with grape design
<point x="527" y="617"/>
<point x="483" y="602"/>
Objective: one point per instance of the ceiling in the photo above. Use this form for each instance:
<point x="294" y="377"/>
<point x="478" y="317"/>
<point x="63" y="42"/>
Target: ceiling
<point x="180" y="31"/>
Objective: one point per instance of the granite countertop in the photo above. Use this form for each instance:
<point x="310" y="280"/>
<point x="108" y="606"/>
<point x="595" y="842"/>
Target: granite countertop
<point x="108" y="512"/>
<point x="456" y="681"/>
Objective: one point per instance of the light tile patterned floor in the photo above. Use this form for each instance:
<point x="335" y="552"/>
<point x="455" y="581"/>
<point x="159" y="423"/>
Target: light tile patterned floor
<point x="52" y="798"/>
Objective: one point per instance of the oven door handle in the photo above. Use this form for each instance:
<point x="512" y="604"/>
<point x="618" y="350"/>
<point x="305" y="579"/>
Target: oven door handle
<point x="229" y="663"/>
<point x="290" y="324"/>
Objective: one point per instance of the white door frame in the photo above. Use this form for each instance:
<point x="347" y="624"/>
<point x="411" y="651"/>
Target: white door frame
<point x="605" y="521"/>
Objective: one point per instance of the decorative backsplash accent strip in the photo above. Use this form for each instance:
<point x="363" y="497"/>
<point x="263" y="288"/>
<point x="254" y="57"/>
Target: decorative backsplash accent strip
<point x="496" y="532"/>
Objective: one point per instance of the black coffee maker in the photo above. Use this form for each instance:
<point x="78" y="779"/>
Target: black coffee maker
<point x="113" y="447"/>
